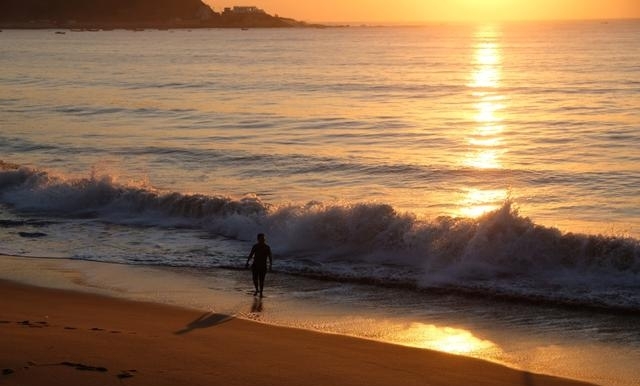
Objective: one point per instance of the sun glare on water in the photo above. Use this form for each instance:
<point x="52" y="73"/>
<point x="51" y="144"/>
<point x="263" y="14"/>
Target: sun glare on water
<point x="485" y="140"/>
<point x="446" y="339"/>
<point x="485" y="82"/>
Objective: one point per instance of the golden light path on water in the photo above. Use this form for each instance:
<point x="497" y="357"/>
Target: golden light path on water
<point x="446" y="339"/>
<point x="486" y="145"/>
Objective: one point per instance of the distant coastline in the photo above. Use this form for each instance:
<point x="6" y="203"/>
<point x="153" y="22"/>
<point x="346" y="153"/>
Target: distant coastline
<point x="135" y="15"/>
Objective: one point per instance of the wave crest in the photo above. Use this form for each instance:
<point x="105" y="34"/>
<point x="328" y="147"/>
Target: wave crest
<point x="101" y="196"/>
<point x="500" y="252"/>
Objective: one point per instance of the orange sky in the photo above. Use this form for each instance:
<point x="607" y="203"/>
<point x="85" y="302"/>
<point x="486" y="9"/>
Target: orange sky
<point x="399" y="11"/>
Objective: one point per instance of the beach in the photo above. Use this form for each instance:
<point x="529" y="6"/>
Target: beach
<point x="62" y="337"/>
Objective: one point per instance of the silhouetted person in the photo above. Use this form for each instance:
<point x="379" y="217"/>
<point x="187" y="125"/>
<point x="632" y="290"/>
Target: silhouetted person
<point x="261" y="253"/>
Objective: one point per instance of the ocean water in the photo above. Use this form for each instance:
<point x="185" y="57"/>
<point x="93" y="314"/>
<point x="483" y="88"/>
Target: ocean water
<point x="489" y="171"/>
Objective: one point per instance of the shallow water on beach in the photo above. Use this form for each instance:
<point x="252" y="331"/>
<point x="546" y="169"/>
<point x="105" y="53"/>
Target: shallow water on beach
<point x="473" y="189"/>
<point x="594" y="346"/>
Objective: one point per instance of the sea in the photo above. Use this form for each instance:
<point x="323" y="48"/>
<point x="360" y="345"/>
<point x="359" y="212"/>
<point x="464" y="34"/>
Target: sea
<point x="473" y="189"/>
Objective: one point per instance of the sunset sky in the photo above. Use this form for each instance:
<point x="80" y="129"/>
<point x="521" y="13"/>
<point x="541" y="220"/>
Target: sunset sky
<point x="399" y="11"/>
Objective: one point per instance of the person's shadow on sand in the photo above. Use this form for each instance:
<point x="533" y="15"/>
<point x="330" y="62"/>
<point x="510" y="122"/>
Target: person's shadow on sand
<point x="205" y="320"/>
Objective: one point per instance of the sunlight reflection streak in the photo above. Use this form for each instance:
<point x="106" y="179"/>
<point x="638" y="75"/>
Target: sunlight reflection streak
<point x="485" y="141"/>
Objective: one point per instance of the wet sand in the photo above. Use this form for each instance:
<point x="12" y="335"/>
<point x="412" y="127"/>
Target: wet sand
<point x="61" y="337"/>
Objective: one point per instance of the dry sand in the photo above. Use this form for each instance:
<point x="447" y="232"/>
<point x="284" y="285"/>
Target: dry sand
<point x="57" y="337"/>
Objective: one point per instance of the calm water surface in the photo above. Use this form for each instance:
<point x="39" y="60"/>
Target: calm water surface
<point x="440" y="120"/>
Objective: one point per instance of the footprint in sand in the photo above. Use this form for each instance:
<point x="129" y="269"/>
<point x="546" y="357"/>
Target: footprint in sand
<point x="83" y="367"/>
<point x="38" y="324"/>
<point x="126" y="374"/>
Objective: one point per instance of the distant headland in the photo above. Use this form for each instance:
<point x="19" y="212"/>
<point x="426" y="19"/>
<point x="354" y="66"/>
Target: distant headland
<point x="134" y="14"/>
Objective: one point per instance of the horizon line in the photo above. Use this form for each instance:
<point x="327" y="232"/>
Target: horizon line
<point x="461" y="21"/>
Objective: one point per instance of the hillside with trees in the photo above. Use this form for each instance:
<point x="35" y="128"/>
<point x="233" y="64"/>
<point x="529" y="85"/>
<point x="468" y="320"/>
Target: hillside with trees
<point x="129" y="14"/>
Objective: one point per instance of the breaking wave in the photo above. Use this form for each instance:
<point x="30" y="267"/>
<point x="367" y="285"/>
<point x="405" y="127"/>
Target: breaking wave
<point x="501" y="253"/>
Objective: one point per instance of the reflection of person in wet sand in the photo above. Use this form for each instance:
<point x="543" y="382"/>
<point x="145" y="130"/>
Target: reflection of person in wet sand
<point x="256" y="307"/>
<point x="260" y="253"/>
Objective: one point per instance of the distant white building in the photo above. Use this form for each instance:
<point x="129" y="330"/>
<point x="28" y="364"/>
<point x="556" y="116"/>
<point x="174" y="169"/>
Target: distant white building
<point x="243" y="9"/>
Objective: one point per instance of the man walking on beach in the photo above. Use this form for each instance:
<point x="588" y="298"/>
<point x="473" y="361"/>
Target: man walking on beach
<point x="260" y="253"/>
